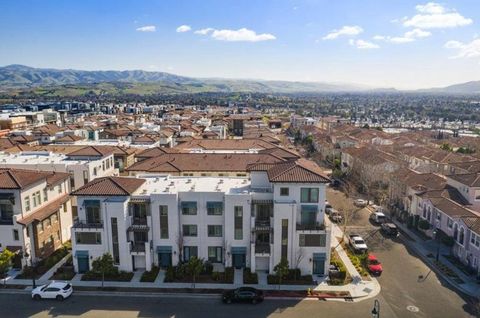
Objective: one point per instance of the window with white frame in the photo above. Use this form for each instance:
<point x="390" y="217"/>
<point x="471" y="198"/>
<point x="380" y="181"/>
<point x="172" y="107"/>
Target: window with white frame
<point x="449" y="223"/>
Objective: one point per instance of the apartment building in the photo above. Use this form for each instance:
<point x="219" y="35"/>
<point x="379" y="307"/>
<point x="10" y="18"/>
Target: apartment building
<point x="82" y="166"/>
<point x="35" y="213"/>
<point x="230" y="221"/>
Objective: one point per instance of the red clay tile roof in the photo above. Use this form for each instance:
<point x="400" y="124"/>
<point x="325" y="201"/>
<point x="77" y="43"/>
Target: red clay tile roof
<point x="69" y="138"/>
<point x="110" y="186"/>
<point x="300" y="171"/>
<point x="226" y="144"/>
<point x="45" y="211"/>
<point x="91" y="151"/>
<point x="19" y="179"/>
<point x="178" y="162"/>
<point x="470" y="179"/>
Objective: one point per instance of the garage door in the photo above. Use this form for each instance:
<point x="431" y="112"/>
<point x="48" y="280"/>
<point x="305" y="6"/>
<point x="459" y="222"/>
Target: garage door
<point x="262" y="263"/>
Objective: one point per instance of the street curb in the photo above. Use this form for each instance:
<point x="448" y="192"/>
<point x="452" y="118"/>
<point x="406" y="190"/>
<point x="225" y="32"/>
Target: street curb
<point x="432" y="266"/>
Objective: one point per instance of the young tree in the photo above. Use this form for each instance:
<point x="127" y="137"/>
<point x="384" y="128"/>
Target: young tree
<point x="281" y="270"/>
<point x="5" y="262"/>
<point x="298" y="259"/>
<point x="194" y="267"/>
<point x="104" y="265"/>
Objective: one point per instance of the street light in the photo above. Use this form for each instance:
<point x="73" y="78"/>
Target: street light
<point x="376" y="309"/>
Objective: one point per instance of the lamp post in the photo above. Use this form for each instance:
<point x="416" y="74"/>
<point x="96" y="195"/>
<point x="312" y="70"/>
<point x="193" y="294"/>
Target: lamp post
<point x="376" y="309"/>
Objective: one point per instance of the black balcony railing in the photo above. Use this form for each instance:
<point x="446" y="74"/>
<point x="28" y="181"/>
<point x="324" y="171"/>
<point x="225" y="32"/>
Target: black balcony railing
<point x="310" y="226"/>
<point x="86" y="224"/>
<point x="139" y="221"/>
<point x="137" y="247"/>
<point x="262" y="248"/>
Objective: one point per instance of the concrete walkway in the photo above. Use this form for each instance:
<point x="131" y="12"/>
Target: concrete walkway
<point x="238" y="277"/>
<point x="136" y="276"/>
<point x="54" y="268"/>
<point x="429" y="248"/>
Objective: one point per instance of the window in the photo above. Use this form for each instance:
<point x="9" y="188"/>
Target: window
<point x="214" y="208"/>
<point x="189" y="252"/>
<point x="472" y="238"/>
<point x="39" y="227"/>
<point x="284" y="192"/>
<point x="6" y="208"/>
<point x="16" y="236"/>
<point x="95" y="172"/>
<point x="214" y="231"/>
<point x="39" y="197"/>
<point x="65" y="207"/>
<point x="241" y="175"/>
<point x="59" y="188"/>
<point x="85" y="177"/>
<point x="449" y="223"/>
<point x="312" y="240"/>
<point x="164" y="222"/>
<point x="461" y="236"/>
<point x="115" y="245"/>
<point x="94" y="238"/>
<point x="47" y="223"/>
<point x="215" y="254"/>
<point x="92" y="211"/>
<point x="309" y="195"/>
<point x="189" y="208"/>
<point x="309" y="214"/>
<point x="72" y="182"/>
<point x="189" y="229"/>
<point x="54" y="218"/>
<point x="439" y="216"/>
<point x="45" y="195"/>
<point x="238" y="223"/>
<point x="284" y="238"/>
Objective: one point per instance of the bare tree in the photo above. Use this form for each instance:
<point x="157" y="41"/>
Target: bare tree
<point x="180" y="246"/>
<point x="299" y="255"/>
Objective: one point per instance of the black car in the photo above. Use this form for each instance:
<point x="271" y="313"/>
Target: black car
<point x="390" y="229"/>
<point x="243" y="295"/>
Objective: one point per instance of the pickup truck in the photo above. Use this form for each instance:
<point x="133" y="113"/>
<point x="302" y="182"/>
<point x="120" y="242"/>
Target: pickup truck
<point x="357" y="243"/>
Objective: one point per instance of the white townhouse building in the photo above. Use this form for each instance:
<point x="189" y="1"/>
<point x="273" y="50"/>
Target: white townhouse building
<point x="35" y="213"/>
<point x="82" y="168"/>
<point x="232" y="221"/>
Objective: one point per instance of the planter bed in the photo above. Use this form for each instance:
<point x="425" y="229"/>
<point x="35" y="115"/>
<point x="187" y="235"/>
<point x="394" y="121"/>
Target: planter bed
<point x="120" y="277"/>
<point x="150" y="276"/>
<point x="175" y="275"/>
<point x="249" y="277"/>
<point x="44" y="265"/>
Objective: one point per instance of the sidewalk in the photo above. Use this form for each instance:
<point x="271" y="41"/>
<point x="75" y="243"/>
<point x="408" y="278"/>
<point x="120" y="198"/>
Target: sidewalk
<point x="427" y="250"/>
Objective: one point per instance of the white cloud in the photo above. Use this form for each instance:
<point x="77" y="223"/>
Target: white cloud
<point x="183" y="28"/>
<point x="464" y="50"/>
<point x="147" y="28"/>
<point x="435" y="16"/>
<point x="204" y="31"/>
<point x="431" y="8"/>
<point x="407" y="37"/>
<point x="347" y="30"/>
<point x="362" y="44"/>
<point x="241" y="35"/>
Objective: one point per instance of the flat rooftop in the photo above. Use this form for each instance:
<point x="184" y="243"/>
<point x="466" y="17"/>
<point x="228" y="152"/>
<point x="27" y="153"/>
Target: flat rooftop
<point x="174" y="184"/>
<point x="37" y="158"/>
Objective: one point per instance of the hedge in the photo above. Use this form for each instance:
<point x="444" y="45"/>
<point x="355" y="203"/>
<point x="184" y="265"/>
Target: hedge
<point x="150" y="276"/>
<point x="121" y="276"/>
<point x="249" y="277"/>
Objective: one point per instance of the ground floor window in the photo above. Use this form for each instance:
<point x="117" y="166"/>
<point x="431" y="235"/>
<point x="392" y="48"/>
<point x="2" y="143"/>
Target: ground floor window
<point x="215" y="254"/>
<point x="189" y="252"/>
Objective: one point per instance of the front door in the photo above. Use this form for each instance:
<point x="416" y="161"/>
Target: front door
<point x="238" y="260"/>
<point x="318" y="267"/>
<point x="83" y="265"/>
<point x="165" y="259"/>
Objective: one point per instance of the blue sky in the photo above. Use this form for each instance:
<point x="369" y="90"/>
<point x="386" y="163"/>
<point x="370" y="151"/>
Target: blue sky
<point x="394" y="43"/>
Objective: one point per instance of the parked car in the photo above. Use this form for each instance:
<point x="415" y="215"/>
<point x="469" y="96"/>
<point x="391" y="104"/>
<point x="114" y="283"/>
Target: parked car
<point x="360" y="203"/>
<point x="243" y="295"/>
<point x="374" y="265"/>
<point x="376" y="208"/>
<point x="378" y="217"/>
<point x="330" y="210"/>
<point x="357" y="243"/>
<point x="390" y="229"/>
<point x="54" y="290"/>
<point x="336" y="217"/>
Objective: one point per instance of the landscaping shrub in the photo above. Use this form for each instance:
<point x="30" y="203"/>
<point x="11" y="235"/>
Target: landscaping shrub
<point x="150" y="276"/>
<point x="170" y="274"/>
<point x="208" y="268"/>
<point x="229" y="274"/>
<point x="423" y="224"/>
<point x="120" y="276"/>
<point x="249" y="277"/>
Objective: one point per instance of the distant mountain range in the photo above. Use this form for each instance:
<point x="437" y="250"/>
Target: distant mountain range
<point x="56" y="82"/>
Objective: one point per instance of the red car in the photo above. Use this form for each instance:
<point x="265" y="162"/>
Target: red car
<point x="374" y="265"/>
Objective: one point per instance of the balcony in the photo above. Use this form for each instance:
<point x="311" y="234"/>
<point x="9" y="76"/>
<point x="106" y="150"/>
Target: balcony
<point x="318" y="226"/>
<point x="79" y="224"/>
<point x="138" y="224"/>
<point x="137" y="247"/>
<point x="262" y="225"/>
<point x="262" y="248"/>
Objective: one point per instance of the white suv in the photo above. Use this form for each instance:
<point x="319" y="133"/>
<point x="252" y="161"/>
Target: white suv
<point x="54" y="290"/>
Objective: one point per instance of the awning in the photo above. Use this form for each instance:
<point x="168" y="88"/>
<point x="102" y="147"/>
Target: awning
<point x="81" y="253"/>
<point x="239" y="250"/>
<point x="91" y="202"/>
<point x="140" y="200"/>
<point x="45" y="211"/>
<point x="319" y="256"/>
<point x="14" y="249"/>
<point x="164" y="249"/>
